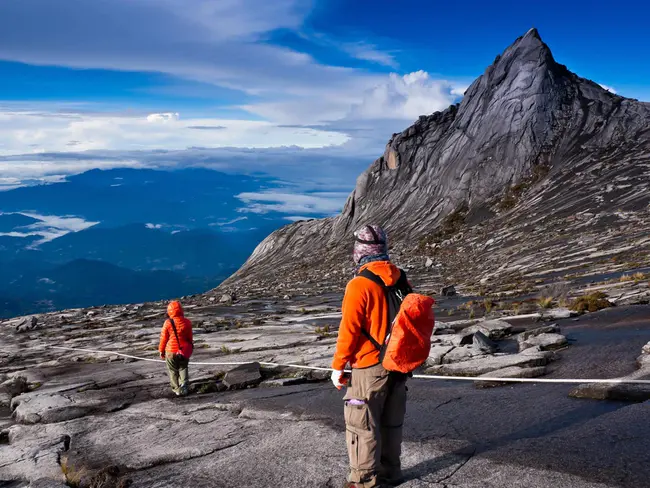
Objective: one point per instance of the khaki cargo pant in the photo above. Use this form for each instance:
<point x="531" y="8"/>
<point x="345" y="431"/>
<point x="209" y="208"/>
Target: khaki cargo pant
<point x="374" y="428"/>
<point x="178" y="372"/>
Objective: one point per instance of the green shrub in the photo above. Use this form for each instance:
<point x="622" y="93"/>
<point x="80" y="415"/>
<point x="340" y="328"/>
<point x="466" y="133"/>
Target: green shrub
<point x="209" y="387"/>
<point x="323" y="332"/>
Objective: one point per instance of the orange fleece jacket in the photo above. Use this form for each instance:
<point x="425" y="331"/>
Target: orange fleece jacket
<point x="168" y="342"/>
<point x="364" y="306"/>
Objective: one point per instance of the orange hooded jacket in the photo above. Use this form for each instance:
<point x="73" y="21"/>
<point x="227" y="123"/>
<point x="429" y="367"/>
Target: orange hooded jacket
<point x="364" y="306"/>
<point x="168" y="341"/>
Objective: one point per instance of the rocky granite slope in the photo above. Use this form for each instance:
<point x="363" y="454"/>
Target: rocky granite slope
<point x="78" y="418"/>
<point x="536" y="171"/>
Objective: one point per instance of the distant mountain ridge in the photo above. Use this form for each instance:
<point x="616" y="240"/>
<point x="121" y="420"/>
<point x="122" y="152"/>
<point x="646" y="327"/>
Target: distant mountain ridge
<point x="116" y="265"/>
<point x="189" y="222"/>
<point x="531" y="152"/>
<point x="199" y="252"/>
<point x="12" y="222"/>
<point x="84" y="283"/>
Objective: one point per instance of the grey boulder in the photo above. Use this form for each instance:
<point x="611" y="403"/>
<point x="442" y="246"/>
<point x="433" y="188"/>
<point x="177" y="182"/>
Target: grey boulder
<point x="547" y="329"/>
<point x="484" y="344"/>
<point x="488" y="364"/>
<point x="509" y="373"/>
<point x="448" y="291"/>
<point x="243" y="376"/>
<point x="546" y="342"/>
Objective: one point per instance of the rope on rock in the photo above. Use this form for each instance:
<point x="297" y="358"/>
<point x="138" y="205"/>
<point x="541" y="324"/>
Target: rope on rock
<point x="613" y="381"/>
<point x="194" y="363"/>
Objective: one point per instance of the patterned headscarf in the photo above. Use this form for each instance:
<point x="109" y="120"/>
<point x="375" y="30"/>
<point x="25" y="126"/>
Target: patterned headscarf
<point x="370" y="241"/>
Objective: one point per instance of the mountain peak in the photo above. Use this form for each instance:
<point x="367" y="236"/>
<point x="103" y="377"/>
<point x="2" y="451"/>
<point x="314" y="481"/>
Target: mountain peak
<point x="533" y="32"/>
<point x="530" y="43"/>
<point x="510" y="150"/>
<point x="520" y="71"/>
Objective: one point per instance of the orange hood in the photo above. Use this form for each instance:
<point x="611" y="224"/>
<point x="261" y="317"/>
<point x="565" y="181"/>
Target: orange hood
<point x="174" y="309"/>
<point x="387" y="271"/>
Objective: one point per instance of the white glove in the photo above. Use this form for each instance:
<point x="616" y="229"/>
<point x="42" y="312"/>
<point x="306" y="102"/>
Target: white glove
<point x="337" y="379"/>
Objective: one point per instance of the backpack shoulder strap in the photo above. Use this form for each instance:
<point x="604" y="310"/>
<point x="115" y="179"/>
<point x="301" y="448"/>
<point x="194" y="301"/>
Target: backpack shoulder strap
<point x="403" y="284"/>
<point x="366" y="273"/>
<point x="393" y="300"/>
<point x="171" y="321"/>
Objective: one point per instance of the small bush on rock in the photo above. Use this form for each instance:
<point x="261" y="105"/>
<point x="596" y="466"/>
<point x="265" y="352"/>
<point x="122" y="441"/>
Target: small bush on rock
<point x="323" y="332"/>
<point x="488" y="305"/>
<point x="591" y="303"/>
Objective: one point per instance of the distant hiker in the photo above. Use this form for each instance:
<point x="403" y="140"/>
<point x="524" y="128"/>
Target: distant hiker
<point x="375" y="401"/>
<point x="176" y="345"/>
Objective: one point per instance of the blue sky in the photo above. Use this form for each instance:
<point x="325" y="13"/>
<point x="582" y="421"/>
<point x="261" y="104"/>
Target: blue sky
<point x="268" y="86"/>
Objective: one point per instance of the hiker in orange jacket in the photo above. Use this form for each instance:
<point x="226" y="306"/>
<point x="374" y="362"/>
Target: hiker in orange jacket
<point x="176" y="344"/>
<point x="375" y="401"/>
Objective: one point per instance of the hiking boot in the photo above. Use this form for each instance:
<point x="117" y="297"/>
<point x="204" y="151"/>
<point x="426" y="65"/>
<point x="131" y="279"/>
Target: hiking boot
<point x="385" y="481"/>
<point x="391" y="477"/>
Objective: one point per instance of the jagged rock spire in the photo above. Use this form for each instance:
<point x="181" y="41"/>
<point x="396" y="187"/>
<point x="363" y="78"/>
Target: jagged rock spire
<point x="526" y="115"/>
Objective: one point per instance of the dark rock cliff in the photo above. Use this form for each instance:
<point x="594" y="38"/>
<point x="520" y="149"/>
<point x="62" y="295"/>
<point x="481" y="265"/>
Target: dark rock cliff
<point x="529" y="139"/>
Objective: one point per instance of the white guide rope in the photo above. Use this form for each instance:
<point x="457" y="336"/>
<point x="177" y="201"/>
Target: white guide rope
<point x="613" y="381"/>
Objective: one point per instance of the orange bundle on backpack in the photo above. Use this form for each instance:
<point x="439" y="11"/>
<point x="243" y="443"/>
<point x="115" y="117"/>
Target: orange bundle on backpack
<point x="407" y="341"/>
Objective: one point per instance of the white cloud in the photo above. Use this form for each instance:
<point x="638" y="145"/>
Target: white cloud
<point x="36" y="177"/>
<point x="36" y="132"/>
<point x="67" y="223"/>
<point x="223" y="42"/>
<point x="27" y="170"/>
<point x="229" y="222"/>
<point x="18" y="234"/>
<point x="394" y="97"/>
<point x="220" y="42"/>
<point x="608" y="88"/>
<point x="51" y="227"/>
<point x="341" y="117"/>
<point x="405" y="97"/>
<point x="459" y="90"/>
<point x="334" y="168"/>
<point x="311" y="203"/>
<point x="11" y="183"/>
<point x="163" y="117"/>
<point x="368" y="52"/>
<point x="296" y="218"/>
<point x="240" y="19"/>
